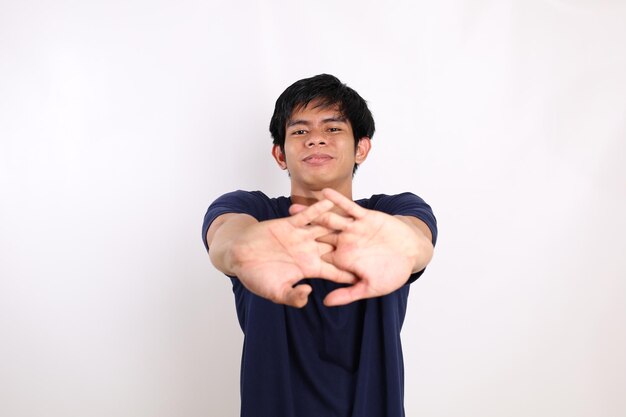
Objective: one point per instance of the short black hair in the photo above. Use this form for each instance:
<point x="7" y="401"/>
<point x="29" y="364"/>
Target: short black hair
<point x="328" y="91"/>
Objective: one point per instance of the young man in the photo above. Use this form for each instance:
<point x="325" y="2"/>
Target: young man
<point x="321" y="281"/>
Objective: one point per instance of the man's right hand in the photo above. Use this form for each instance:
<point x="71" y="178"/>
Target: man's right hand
<point x="270" y="257"/>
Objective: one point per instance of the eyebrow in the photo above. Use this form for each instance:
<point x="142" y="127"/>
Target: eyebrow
<point x="307" y="123"/>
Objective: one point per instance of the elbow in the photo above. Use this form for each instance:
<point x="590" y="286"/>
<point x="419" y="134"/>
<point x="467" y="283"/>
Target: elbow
<point x="227" y="257"/>
<point x="425" y="252"/>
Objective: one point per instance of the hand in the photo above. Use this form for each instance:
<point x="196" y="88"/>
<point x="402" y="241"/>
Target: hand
<point x="380" y="249"/>
<point x="270" y="257"/>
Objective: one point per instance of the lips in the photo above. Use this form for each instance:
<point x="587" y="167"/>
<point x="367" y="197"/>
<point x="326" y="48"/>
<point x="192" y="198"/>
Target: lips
<point x="317" y="158"/>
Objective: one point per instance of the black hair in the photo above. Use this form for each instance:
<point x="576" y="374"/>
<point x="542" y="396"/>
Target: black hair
<point x="328" y="91"/>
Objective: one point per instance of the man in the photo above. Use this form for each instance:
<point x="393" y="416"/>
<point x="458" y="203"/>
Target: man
<point x="320" y="281"/>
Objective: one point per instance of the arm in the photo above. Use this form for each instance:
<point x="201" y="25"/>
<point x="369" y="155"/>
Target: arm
<point x="271" y="257"/>
<point x="222" y="234"/>
<point x="423" y="241"/>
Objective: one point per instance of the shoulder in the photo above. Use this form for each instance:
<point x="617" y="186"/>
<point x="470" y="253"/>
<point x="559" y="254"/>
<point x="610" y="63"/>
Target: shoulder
<point x="403" y="204"/>
<point x="393" y="204"/>
<point x="241" y="199"/>
<point x="253" y="203"/>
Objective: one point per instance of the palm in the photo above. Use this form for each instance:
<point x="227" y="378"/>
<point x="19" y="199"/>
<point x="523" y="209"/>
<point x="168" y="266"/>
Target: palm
<point x="274" y="255"/>
<point x="277" y="253"/>
<point x="378" y="248"/>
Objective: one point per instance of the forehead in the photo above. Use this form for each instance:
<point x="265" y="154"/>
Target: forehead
<point x="316" y="109"/>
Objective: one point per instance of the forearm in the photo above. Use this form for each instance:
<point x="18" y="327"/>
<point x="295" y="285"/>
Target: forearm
<point x="421" y="245"/>
<point x="223" y="240"/>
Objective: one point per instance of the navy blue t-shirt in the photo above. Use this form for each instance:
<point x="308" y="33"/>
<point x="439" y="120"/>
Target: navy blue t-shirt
<point x="320" y="361"/>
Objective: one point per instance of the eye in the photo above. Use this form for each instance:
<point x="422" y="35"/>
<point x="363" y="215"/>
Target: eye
<point x="334" y="129"/>
<point x="298" y="132"/>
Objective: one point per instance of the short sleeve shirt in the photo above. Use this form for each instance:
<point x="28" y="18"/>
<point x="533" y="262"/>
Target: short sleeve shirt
<point x="317" y="361"/>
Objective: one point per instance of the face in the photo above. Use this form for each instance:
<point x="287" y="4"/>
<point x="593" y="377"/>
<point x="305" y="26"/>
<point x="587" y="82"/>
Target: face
<point x="319" y="150"/>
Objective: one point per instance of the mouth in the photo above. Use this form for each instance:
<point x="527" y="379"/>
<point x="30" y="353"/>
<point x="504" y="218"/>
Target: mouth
<point x="317" y="159"/>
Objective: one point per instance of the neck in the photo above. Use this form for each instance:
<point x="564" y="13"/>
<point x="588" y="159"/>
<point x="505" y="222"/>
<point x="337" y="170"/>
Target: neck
<point x="307" y="197"/>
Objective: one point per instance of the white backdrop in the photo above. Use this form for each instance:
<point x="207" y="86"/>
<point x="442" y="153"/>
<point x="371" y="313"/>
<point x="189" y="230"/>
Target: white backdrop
<point x="120" y="121"/>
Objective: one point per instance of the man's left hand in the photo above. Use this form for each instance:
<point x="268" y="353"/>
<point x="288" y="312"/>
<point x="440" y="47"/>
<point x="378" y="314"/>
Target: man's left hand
<point x="380" y="249"/>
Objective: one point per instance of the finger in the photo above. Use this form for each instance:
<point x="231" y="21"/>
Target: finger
<point x="347" y="205"/>
<point x="346" y="295"/>
<point x="329" y="238"/>
<point x="297" y="296"/>
<point x="307" y="215"/>
<point x="329" y="257"/>
<point x="345" y="262"/>
<point x="316" y="231"/>
<point x="296" y="208"/>
<point x="330" y="272"/>
<point x="334" y="221"/>
<point x="324" y="248"/>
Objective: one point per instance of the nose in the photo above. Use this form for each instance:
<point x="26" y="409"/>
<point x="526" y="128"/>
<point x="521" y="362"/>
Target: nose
<point x="315" y="138"/>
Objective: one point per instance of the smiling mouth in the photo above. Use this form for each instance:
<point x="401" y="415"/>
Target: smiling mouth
<point x="317" y="159"/>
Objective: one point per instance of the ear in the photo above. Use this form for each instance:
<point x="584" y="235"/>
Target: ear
<point x="362" y="149"/>
<point x="279" y="156"/>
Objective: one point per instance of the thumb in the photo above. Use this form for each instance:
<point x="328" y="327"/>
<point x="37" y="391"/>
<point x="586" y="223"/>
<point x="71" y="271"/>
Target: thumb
<point x="298" y="296"/>
<point x="346" y="295"/>
<point x="296" y="208"/>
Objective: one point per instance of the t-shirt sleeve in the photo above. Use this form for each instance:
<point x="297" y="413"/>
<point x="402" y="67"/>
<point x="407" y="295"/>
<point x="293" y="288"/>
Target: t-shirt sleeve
<point x="408" y="204"/>
<point x="234" y="202"/>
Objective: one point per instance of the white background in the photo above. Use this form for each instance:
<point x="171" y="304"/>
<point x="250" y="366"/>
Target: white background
<point x="120" y="121"/>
